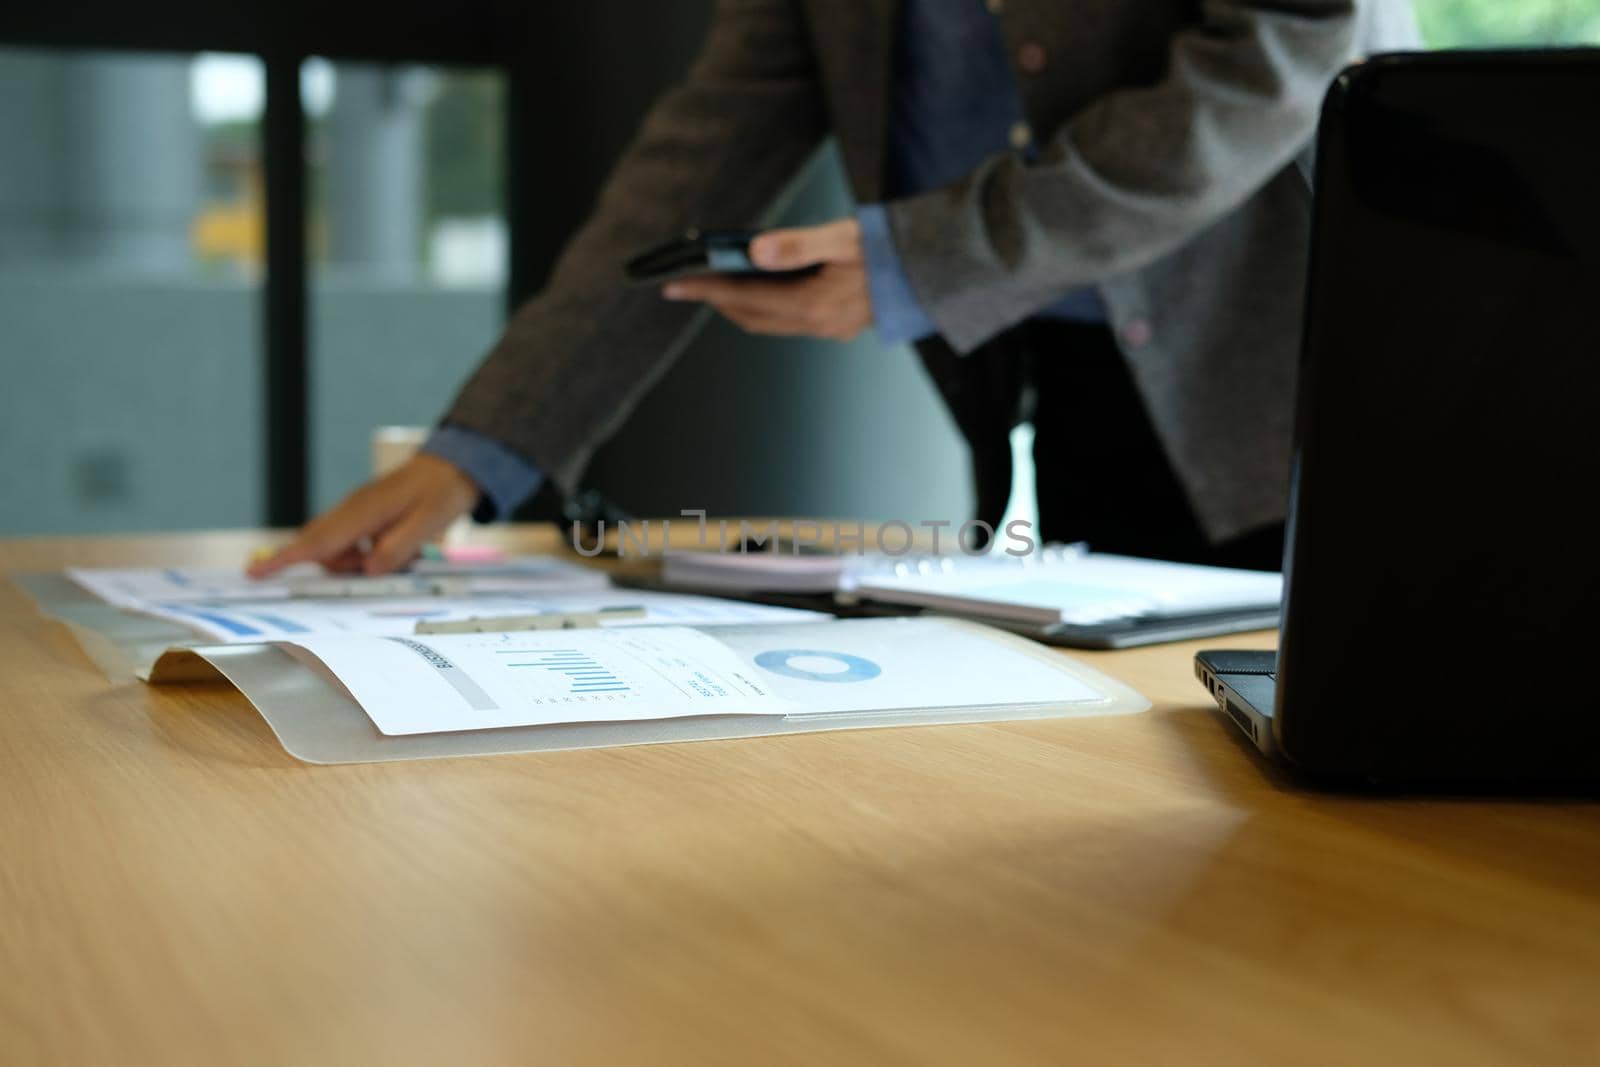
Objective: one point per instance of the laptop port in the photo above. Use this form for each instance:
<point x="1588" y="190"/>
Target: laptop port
<point x="1236" y="713"/>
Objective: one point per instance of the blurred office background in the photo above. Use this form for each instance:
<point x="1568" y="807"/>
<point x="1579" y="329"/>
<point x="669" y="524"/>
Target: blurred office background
<point x="132" y="263"/>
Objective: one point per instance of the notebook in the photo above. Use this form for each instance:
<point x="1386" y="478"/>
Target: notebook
<point x="1082" y="590"/>
<point x="1063" y="594"/>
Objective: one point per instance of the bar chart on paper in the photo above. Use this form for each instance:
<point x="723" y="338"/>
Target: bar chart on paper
<point x="410" y="685"/>
<point x="658" y="666"/>
<point x="583" y="672"/>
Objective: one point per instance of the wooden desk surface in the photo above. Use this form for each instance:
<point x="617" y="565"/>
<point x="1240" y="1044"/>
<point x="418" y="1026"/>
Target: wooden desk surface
<point x="174" y="888"/>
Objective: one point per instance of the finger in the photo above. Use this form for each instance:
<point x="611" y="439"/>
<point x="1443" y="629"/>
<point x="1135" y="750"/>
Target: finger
<point x="283" y="557"/>
<point x="335" y="533"/>
<point x="687" y="290"/>
<point x="402" y="542"/>
<point x="776" y="304"/>
<point x="762" y="321"/>
<point x="803" y="246"/>
<point x="712" y="289"/>
<point x="350" y="561"/>
<point x="796" y="298"/>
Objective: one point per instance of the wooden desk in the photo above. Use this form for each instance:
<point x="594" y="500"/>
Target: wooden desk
<point x="174" y="888"/>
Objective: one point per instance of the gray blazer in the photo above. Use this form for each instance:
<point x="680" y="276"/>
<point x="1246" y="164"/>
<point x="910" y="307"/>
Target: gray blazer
<point x="1169" y="180"/>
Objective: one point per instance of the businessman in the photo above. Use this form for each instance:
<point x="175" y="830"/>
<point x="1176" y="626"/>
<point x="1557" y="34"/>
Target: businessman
<point x="1092" y="215"/>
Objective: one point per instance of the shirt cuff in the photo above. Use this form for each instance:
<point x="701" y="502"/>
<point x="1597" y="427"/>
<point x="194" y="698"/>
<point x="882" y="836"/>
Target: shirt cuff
<point x="504" y="478"/>
<point x="896" y="312"/>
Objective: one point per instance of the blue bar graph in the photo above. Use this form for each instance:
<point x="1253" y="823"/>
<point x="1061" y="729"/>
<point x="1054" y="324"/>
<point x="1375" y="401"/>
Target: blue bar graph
<point x="584" y="673"/>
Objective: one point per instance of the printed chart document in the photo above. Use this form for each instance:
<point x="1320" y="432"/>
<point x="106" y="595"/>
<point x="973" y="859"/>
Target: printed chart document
<point x="141" y="588"/>
<point x="225" y="606"/>
<point x="290" y="619"/>
<point x="357" y="699"/>
<point x="135" y="588"/>
<point x="483" y="681"/>
<point x="886" y="665"/>
<point x="487" y="681"/>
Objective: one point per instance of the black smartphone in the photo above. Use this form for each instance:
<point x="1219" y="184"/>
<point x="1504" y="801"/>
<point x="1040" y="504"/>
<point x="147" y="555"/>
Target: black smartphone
<point x="701" y="252"/>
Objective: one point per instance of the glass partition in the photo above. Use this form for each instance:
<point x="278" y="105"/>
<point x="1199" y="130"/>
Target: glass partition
<point x="408" y="244"/>
<point x="130" y="262"/>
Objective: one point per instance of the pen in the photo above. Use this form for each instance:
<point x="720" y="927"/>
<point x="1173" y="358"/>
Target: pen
<point x="546" y="620"/>
<point x="390" y="585"/>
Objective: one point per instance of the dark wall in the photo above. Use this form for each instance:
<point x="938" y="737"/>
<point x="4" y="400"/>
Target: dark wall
<point x="587" y="74"/>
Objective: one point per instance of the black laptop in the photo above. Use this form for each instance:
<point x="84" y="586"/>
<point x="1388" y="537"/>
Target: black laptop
<point x="1442" y="573"/>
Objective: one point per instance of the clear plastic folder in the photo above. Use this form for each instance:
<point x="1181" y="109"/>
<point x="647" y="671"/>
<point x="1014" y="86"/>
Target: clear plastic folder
<point x="318" y="720"/>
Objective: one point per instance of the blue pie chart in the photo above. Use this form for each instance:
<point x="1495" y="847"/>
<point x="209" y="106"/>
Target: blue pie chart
<point x="815" y="665"/>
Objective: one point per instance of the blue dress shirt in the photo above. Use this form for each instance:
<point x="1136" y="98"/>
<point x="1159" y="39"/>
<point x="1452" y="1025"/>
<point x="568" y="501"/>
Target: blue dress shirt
<point x="955" y="103"/>
<point x="505" y="477"/>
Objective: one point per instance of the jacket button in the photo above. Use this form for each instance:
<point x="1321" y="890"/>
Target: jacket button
<point x="1020" y="135"/>
<point x="1137" y="333"/>
<point x="1031" y="57"/>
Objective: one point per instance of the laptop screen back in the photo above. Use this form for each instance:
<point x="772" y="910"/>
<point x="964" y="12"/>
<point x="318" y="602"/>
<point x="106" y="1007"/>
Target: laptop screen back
<point x="1443" y="612"/>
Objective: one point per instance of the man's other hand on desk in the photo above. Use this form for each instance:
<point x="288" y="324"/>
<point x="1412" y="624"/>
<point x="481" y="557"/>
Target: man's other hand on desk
<point x="396" y="515"/>
<point x="833" y="304"/>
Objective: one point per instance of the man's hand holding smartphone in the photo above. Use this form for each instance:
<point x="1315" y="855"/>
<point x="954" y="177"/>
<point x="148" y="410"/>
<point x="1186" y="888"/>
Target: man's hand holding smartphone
<point x="833" y="303"/>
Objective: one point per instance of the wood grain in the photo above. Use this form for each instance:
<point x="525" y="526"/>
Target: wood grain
<point x="175" y="889"/>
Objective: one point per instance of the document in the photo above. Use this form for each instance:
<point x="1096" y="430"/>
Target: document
<point x="134" y="588"/>
<point x="223" y="605"/>
<point x="775" y="572"/>
<point x="870" y="665"/>
<point x="488" y="681"/>
<point x="140" y="588"/>
<point x="805" y="672"/>
<point x="240" y="621"/>
<point x="1084" y="590"/>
